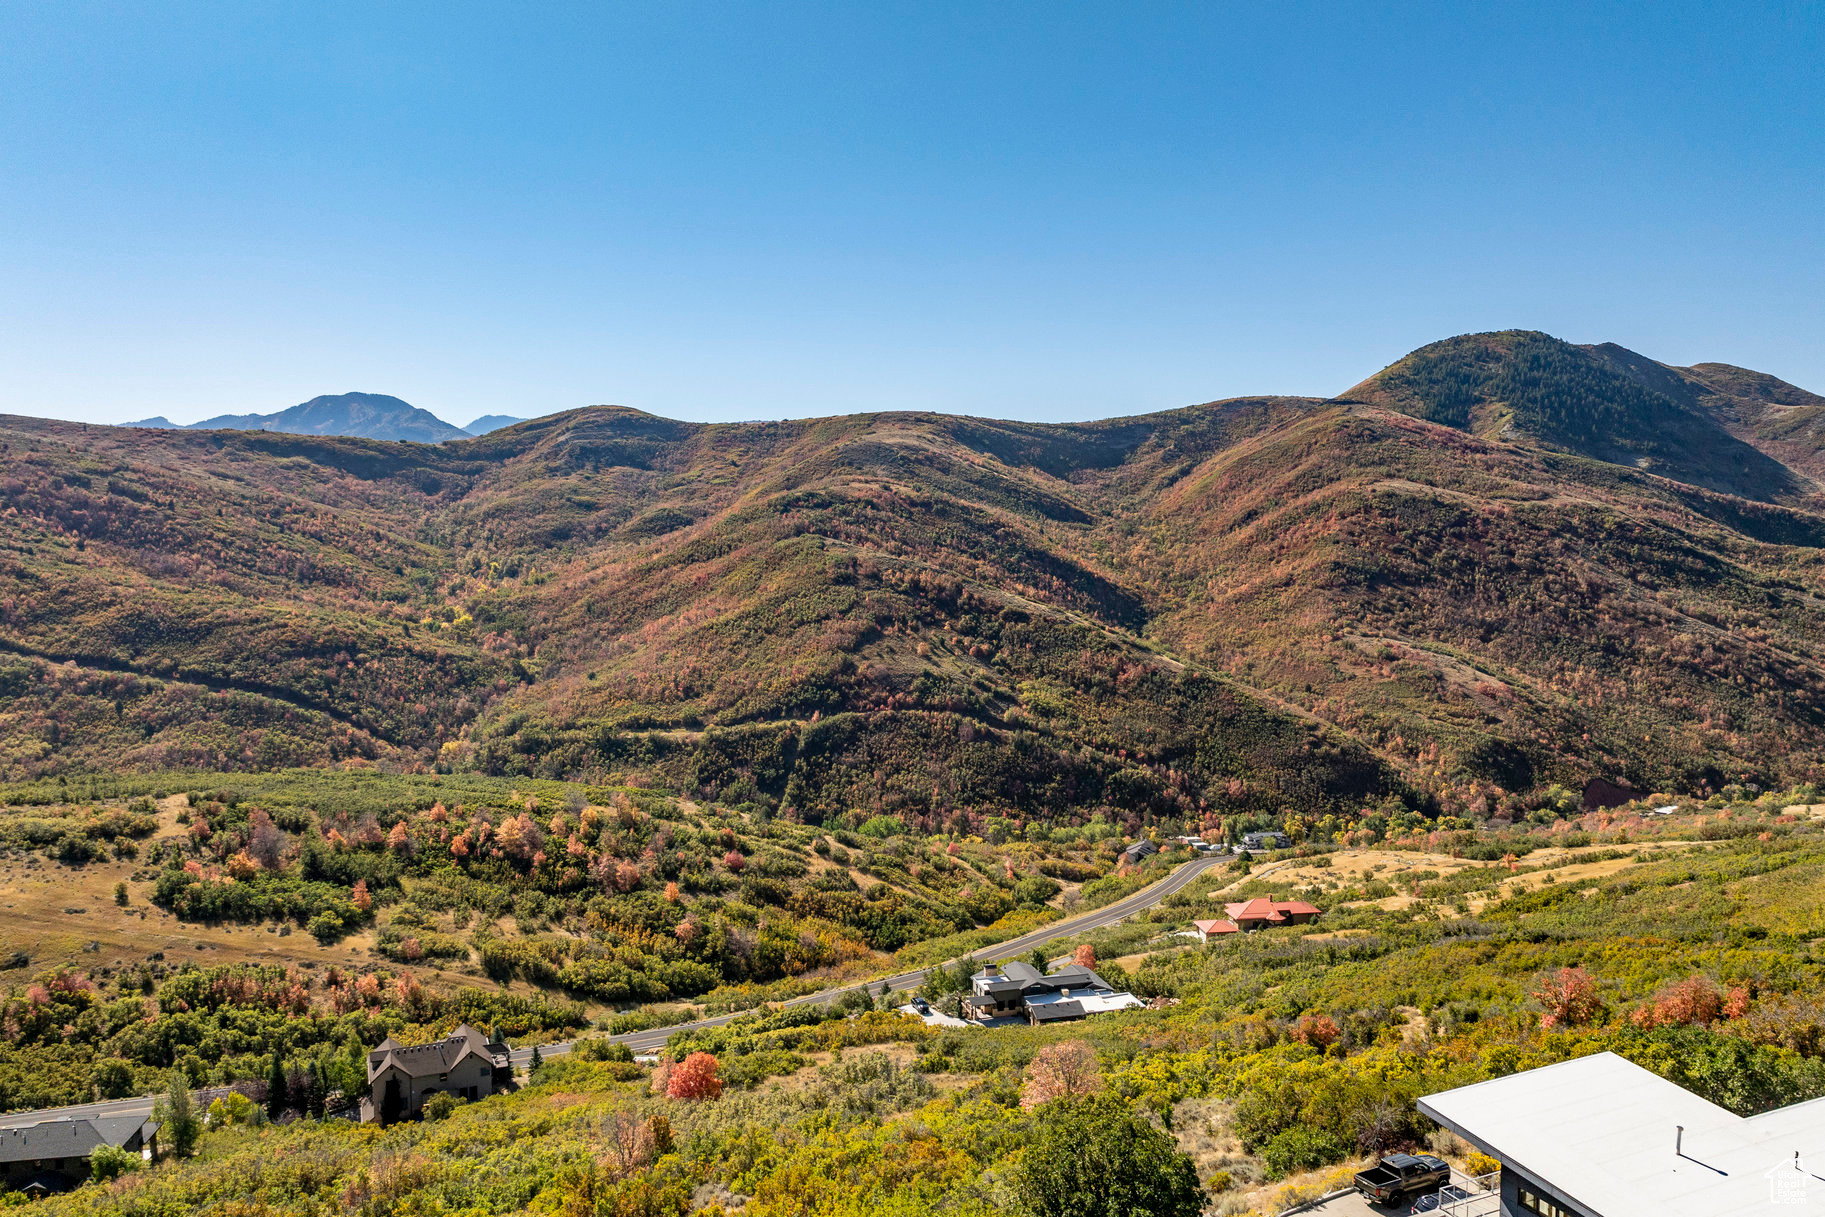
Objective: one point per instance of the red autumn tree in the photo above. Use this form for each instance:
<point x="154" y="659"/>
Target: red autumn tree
<point x="694" y="1078"/>
<point x="1317" y="1030"/>
<point x="1569" y="997"/>
<point x="1084" y="956"/>
<point x="1695" y="1001"/>
<point x="733" y="860"/>
<point x="1060" y="1071"/>
<point x="359" y="896"/>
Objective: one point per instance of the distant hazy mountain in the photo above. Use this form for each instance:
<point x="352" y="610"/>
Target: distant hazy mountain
<point x="368" y="415"/>
<point x="491" y="422"/>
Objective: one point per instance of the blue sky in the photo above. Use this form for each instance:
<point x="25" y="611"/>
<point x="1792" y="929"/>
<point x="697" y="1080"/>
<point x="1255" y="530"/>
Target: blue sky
<point x="1046" y="211"/>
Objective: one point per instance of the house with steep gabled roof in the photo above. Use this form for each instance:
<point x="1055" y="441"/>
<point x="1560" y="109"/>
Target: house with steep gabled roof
<point x="1139" y="852"/>
<point x="402" y="1078"/>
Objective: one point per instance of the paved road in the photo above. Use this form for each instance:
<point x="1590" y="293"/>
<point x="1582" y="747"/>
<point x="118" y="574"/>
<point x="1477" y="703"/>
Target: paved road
<point x="140" y="1106"/>
<point x="652" y="1041"/>
<point x="1108" y="915"/>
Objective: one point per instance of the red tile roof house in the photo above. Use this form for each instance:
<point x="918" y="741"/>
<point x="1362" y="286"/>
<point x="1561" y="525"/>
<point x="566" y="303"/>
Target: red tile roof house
<point x="1260" y="913"/>
<point x="1206" y="930"/>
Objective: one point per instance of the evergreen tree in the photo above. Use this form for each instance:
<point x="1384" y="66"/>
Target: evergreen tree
<point x="275" y="1087"/>
<point x="319" y="1092"/>
<point x="537" y="1060"/>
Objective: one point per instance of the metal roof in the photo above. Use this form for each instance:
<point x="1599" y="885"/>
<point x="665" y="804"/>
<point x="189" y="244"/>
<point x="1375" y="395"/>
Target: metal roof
<point x="1080" y="1002"/>
<point x="1021" y="977"/>
<point x="1599" y="1133"/>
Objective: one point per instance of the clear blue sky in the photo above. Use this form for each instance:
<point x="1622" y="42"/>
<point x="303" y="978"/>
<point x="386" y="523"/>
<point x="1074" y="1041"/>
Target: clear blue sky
<point x="1046" y="211"/>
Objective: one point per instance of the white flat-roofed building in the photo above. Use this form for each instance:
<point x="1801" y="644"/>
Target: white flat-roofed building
<point x="1602" y="1137"/>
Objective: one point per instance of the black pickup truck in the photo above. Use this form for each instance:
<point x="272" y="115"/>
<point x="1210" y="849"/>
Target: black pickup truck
<point x="1402" y="1175"/>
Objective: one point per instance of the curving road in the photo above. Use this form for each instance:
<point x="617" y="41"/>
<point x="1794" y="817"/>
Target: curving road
<point x="652" y="1041"/>
<point x="1108" y="915"/>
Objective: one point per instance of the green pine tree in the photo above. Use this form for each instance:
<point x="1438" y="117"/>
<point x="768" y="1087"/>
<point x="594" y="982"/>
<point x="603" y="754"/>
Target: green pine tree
<point x="275" y="1087"/>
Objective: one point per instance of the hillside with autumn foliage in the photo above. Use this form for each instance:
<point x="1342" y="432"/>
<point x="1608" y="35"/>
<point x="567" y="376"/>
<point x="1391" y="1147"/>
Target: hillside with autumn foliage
<point x="1503" y="563"/>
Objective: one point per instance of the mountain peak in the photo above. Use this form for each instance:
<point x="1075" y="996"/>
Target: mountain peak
<point x="1605" y="402"/>
<point x="491" y="422"/>
<point x="363" y="415"/>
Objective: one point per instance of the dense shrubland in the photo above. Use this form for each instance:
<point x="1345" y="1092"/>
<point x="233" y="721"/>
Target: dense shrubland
<point x="1285" y="1052"/>
<point x="615" y="897"/>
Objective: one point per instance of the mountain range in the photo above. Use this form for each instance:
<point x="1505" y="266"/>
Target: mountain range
<point x="363" y="415"/>
<point x="1502" y="562"/>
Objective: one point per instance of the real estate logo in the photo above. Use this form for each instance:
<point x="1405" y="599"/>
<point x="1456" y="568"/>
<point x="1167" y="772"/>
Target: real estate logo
<point x="1787" y="1182"/>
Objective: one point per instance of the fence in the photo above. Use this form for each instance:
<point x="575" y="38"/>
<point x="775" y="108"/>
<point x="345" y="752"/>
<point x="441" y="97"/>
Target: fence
<point x="1471" y="1196"/>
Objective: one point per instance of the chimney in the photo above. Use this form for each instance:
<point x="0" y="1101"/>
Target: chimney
<point x="1679" y="1139"/>
<point x="992" y="969"/>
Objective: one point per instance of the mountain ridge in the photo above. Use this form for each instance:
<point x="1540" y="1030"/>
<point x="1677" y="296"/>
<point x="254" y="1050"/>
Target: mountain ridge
<point x="1237" y="605"/>
<point x="361" y="415"/>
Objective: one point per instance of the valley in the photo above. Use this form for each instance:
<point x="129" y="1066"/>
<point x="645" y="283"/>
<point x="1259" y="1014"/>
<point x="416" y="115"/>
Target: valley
<point x="747" y="747"/>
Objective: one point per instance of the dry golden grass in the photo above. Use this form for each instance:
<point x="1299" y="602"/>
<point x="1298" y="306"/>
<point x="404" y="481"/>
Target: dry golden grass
<point x="60" y="914"/>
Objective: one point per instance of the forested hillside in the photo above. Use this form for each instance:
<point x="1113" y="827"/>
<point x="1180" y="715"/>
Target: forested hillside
<point x="1505" y="562"/>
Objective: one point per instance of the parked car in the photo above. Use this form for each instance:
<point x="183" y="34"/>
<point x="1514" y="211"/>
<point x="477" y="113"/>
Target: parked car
<point x="1401" y="1175"/>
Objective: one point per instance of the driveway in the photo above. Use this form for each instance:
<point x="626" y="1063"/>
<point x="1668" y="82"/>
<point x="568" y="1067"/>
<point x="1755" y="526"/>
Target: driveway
<point x="1353" y="1204"/>
<point x="1476" y="1203"/>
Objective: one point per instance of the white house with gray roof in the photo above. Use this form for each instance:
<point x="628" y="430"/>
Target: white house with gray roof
<point x="1602" y="1137"/>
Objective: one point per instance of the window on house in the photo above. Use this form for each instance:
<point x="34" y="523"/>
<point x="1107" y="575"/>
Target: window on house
<point x="1543" y="1206"/>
